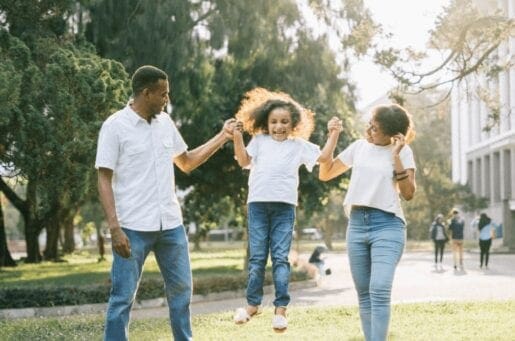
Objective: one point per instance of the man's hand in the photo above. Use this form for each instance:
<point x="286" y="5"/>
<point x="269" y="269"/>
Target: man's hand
<point x="120" y="242"/>
<point x="229" y="128"/>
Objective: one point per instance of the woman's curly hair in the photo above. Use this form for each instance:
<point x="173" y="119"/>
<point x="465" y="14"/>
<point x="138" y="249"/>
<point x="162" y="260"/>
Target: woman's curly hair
<point x="259" y="102"/>
<point x="394" y="119"/>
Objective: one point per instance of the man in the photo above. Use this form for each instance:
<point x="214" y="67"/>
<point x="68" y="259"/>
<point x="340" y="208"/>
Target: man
<point x="136" y="148"/>
<point x="456" y="227"/>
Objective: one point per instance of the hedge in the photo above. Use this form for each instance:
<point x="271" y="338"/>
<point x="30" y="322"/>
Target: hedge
<point x="99" y="293"/>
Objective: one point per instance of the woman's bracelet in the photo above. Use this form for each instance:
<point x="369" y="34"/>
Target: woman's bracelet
<point x="395" y="173"/>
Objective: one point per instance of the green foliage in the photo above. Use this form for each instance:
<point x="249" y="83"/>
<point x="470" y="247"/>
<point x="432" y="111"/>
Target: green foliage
<point x="216" y="50"/>
<point x="45" y="296"/>
<point x="57" y="93"/>
<point x="436" y="193"/>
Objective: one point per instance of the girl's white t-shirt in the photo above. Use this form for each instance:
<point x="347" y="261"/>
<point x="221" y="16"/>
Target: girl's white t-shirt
<point x="372" y="182"/>
<point x="274" y="167"/>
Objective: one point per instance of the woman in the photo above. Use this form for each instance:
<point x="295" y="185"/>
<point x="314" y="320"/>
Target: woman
<point x="383" y="167"/>
<point x="439" y="237"/>
<point x="486" y="233"/>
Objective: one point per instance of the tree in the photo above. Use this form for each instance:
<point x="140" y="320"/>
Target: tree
<point x="58" y="94"/>
<point x="216" y="50"/>
<point x="436" y="192"/>
<point x="468" y="35"/>
<point x="5" y="256"/>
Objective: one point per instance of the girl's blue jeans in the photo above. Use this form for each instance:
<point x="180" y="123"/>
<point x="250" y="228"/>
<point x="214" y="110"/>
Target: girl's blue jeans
<point x="375" y="242"/>
<point x="270" y="230"/>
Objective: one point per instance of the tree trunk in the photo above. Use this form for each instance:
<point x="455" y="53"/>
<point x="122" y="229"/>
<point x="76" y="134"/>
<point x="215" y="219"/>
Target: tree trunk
<point x="52" y="239"/>
<point x="196" y="240"/>
<point x="5" y="255"/>
<point x="328" y="233"/>
<point x="27" y="210"/>
<point x="68" y="228"/>
<point x="32" y="226"/>
<point x="101" y="247"/>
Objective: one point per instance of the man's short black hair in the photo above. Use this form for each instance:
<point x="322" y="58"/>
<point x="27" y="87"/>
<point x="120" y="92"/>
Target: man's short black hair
<point x="146" y="76"/>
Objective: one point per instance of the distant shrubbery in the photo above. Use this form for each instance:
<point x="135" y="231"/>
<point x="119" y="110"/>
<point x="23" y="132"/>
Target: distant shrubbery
<point x="149" y="288"/>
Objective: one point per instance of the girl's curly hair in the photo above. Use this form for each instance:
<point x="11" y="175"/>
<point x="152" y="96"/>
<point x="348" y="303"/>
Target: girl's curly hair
<point x="259" y="102"/>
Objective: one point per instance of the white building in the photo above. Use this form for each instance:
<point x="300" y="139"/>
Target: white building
<point x="485" y="160"/>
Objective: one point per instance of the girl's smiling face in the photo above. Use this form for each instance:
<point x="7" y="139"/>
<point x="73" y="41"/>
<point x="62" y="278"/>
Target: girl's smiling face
<point x="279" y="124"/>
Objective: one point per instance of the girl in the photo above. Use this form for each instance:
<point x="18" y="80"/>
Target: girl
<point x="383" y="168"/>
<point x="439" y="237"/>
<point x="280" y="128"/>
<point x="486" y="233"/>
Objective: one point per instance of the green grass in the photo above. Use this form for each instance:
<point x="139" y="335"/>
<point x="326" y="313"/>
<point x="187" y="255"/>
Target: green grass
<point x="82" y="268"/>
<point x="422" y="321"/>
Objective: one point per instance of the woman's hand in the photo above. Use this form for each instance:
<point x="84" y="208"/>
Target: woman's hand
<point x="335" y="124"/>
<point x="398" y="142"/>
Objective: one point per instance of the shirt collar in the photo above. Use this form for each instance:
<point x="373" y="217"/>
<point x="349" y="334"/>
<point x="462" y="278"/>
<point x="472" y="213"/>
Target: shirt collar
<point x="133" y="116"/>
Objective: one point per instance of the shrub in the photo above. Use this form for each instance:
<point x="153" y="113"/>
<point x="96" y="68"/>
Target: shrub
<point x="149" y="288"/>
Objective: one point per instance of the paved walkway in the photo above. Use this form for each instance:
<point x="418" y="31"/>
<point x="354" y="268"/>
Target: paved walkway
<point x="416" y="280"/>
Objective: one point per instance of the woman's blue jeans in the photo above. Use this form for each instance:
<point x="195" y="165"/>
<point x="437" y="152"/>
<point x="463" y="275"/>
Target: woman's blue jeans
<point x="270" y="227"/>
<point x="375" y="242"/>
<point x="172" y="254"/>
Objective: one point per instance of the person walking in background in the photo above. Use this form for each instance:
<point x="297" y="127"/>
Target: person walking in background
<point x="439" y="237"/>
<point x="486" y="234"/>
<point x="280" y="128"/>
<point x="456" y="226"/>
<point x="137" y="148"/>
<point x="383" y="169"/>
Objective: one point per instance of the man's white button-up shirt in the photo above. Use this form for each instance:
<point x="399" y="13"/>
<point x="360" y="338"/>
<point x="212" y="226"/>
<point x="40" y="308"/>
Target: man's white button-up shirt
<point x="141" y="157"/>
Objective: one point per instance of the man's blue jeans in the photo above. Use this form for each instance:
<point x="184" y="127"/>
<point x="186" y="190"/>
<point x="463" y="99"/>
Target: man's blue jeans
<point x="172" y="255"/>
<point x="375" y="242"/>
<point x="270" y="227"/>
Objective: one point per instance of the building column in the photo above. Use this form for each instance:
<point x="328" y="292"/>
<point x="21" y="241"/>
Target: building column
<point x="474" y="117"/>
<point x="455" y="133"/>
<point x="511" y="43"/>
<point x="464" y="124"/>
<point x="483" y="110"/>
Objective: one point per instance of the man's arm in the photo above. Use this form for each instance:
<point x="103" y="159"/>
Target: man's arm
<point x="189" y="160"/>
<point x="119" y="240"/>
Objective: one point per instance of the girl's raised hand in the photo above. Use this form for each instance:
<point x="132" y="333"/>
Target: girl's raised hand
<point x="335" y="124"/>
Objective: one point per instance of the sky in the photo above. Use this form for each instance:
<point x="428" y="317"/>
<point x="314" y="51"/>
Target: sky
<point x="410" y="22"/>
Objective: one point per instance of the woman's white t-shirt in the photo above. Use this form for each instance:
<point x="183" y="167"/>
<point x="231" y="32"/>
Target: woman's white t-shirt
<point x="274" y="168"/>
<point x="372" y="182"/>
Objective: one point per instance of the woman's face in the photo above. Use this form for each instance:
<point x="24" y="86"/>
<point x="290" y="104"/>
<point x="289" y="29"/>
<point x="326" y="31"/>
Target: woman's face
<point x="280" y="124"/>
<point x="375" y="135"/>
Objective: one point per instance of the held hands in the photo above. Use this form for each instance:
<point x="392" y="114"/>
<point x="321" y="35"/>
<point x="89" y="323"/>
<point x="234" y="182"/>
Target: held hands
<point x="398" y="141"/>
<point x="120" y="242"/>
<point x="335" y="125"/>
<point x="228" y="128"/>
<point x="238" y="128"/>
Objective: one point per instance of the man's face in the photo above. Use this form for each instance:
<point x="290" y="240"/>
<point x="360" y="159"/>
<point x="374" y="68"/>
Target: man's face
<point x="156" y="97"/>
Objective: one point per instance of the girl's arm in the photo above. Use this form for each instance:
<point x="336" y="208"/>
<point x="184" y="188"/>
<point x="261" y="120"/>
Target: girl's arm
<point x="334" y="126"/>
<point x="329" y="167"/>
<point x="239" y="146"/>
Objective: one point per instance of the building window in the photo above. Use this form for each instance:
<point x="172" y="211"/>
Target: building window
<point x="496" y="177"/>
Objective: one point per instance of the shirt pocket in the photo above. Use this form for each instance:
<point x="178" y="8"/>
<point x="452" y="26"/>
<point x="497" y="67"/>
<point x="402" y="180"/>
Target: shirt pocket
<point x="166" y="148"/>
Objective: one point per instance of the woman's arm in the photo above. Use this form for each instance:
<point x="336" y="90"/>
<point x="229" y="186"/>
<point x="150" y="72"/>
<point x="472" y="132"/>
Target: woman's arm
<point x="405" y="177"/>
<point x="331" y="169"/>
